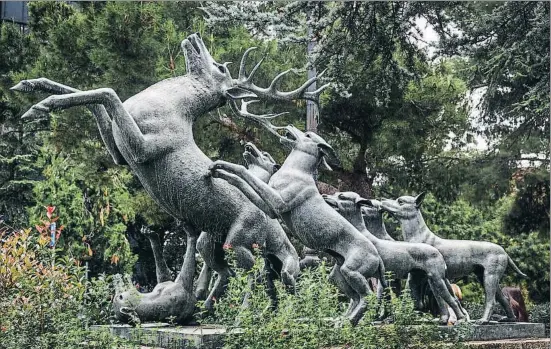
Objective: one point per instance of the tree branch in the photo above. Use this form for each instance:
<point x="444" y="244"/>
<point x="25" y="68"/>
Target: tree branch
<point x="228" y="123"/>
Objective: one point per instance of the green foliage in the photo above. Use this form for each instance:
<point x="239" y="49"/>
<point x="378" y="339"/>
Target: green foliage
<point x="508" y="46"/>
<point x="43" y="297"/>
<point x="97" y="300"/>
<point x="540" y="313"/>
<point x="98" y="204"/>
<point x="17" y="142"/>
<point x="307" y="319"/>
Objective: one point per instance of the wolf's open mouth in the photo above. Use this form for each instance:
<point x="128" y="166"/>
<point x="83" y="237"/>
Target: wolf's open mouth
<point x="193" y="42"/>
<point x="290" y="135"/>
<point x="250" y="149"/>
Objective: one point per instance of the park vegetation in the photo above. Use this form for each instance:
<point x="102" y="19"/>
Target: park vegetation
<point x="400" y="117"/>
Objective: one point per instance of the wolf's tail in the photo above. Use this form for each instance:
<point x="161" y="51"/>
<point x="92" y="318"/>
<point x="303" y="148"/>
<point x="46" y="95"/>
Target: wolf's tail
<point x="515" y="268"/>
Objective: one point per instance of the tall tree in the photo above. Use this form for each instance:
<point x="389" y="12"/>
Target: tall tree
<point x="385" y="98"/>
<point x="17" y="142"/>
<point x="506" y="47"/>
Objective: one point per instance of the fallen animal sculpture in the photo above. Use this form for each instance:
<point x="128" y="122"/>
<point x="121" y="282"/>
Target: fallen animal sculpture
<point x="400" y="257"/>
<point x="169" y="300"/>
<point x="487" y="260"/>
<point x="292" y="195"/>
<point x="152" y="132"/>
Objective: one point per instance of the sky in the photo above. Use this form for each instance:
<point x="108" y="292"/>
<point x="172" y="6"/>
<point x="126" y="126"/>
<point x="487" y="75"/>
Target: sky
<point x="429" y="42"/>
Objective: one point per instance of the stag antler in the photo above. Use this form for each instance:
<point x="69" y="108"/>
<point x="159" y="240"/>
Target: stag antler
<point x="271" y="92"/>
<point x="261" y="119"/>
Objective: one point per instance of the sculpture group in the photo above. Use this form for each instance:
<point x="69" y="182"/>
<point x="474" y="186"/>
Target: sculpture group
<point x="224" y="204"/>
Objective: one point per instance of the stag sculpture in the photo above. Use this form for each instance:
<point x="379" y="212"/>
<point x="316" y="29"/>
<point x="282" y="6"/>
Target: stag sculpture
<point x="400" y="257"/>
<point x="487" y="260"/>
<point x="291" y="194"/>
<point x="152" y="132"/>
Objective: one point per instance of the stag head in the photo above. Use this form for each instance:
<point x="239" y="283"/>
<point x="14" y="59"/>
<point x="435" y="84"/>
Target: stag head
<point x="203" y="67"/>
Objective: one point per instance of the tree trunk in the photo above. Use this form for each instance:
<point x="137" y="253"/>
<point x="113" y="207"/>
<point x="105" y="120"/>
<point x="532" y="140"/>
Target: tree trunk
<point x="357" y="180"/>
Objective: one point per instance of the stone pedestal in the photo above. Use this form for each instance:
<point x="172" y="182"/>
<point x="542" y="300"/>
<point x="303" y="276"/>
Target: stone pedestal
<point x="161" y="336"/>
<point x="501" y="330"/>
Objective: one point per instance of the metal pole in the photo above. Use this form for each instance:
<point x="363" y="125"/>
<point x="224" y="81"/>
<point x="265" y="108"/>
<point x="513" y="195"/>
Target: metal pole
<point x="52" y="242"/>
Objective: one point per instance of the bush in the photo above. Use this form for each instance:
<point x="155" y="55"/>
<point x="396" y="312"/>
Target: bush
<point x="308" y="319"/>
<point x="540" y="314"/>
<point x="44" y="300"/>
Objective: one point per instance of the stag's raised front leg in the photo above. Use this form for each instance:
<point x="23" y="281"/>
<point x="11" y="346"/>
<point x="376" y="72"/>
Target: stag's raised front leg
<point x="161" y="269"/>
<point x="264" y="191"/>
<point x="100" y="113"/>
<point x="143" y="147"/>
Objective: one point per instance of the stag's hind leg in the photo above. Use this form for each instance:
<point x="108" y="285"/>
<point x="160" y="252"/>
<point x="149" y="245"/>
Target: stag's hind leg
<point x="103" y="119"/>
<point x="203" y="282"/>
<point x="213" y="255"/>
<point x="243" y="234"/>
<point x="142" y="147"/>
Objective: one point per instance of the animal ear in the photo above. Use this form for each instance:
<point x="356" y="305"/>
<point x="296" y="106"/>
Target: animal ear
<point x="331" y="201"/>
<point x="363" y="202"/>
<point x="419" y="199"/>
<point x="239" y="93"/>
<point x="325" y="164"/>
<point x="329" y="155"/>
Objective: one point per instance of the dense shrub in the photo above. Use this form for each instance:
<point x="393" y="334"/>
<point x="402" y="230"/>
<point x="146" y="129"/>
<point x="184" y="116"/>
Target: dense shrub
<point x="46" y="301"/>
<point x="540" y="313"/>
<point x="309" y="318"/>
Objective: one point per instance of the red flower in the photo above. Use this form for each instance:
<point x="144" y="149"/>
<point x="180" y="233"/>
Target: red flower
<point x="3" y="328"/>
<point x="255" y="246"/>
<point x="227" y="246"/>
<point x="49" y="211"/>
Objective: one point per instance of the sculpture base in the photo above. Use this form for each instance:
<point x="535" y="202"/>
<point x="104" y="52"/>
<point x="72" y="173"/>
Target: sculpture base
<point x="519" y="335"/>
<point x="504" y="330"/>
<point x="163" y="336"/>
